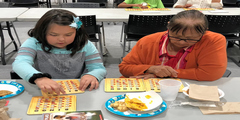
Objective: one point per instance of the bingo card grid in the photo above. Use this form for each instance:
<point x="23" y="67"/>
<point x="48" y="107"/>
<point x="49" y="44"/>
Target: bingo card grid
<point x="123" y="85"/>
<point x="40" y="104"/>
<point x="152" y="84"/>
<point x="69" y="86"/>
<point x="149" y="9"/>
<point x="199" y="9"/>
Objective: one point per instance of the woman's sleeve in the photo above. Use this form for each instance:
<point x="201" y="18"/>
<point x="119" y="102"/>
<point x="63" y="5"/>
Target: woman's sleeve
<point x="133" y="63"/>
<point x="160" y="4"/>
<point x="93" y="61"/>
<point x="23" y="63"/>
<point x="180" y="2"/>
<point x="128" y="1"/>
<point x="211" y="61"/>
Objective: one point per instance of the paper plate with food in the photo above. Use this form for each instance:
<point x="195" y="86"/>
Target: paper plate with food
<point x="144" y="104"/>
<point x="10" y="89"/>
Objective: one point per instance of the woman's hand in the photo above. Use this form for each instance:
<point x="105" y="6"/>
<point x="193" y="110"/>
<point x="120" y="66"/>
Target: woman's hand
<point x="140" y="6"/>
<point x="49" y="85"/>
<point x="187" y="5"/>
<point x="87" y="80"/>
<point x="162" y="71"/>
<point x="144" y="76"/>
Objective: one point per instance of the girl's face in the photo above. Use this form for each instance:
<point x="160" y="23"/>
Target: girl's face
<point x="60" y="36"/>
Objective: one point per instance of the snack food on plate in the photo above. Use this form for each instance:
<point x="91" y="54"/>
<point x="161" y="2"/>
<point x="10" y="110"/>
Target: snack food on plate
<point x="120" y="106"/>
<point x="135" y="104"/>
<point x="5" y="92"/>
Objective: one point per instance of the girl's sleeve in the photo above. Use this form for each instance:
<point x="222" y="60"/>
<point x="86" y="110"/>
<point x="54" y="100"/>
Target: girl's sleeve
<point x="23" y="63"/>
<point x="180" y="2"/>
<point x="93" y="61"/>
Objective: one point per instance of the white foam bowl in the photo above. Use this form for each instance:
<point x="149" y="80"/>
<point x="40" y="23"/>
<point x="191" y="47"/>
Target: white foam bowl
<point x="185" y="89"/>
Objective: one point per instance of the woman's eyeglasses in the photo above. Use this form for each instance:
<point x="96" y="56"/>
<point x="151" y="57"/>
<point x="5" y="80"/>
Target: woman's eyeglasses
<point x="186" y="40"/>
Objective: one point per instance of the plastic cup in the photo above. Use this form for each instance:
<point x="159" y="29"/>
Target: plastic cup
<point x="169" y="89"/>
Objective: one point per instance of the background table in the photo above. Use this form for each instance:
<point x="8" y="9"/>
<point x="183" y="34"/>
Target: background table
<point x="111" y="14"/>
<point x="11" y="14"/>
<point x="8" y="14"/>
<point x="95" y="100"/>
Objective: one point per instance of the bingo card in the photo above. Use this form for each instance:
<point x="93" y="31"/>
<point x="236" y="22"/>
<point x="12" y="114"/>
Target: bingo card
<point x="133" y="85"/>
<point x="40" y="104"/>
<point x="152" y="84"/>
<point x="69" y="86"/>
<point x="149" y="9"/>
<point x="123" y="85"/>
<point x="199" y="9"/>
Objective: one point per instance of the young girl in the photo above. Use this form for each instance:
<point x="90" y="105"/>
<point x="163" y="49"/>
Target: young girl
<point x="58" y="48"/>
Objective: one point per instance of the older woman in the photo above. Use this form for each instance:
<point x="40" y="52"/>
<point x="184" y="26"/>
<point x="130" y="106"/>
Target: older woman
<point x="198" y="4"/>
<point x="186" y="50"/>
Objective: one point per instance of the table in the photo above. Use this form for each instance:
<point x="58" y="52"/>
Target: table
<point x="96" y="99"/>
<point x="111" y="14"/>
<point x="11" y="14"/>
<point x="8" y="14"/>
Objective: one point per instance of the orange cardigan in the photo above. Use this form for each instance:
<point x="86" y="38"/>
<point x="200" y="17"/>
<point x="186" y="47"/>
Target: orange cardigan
<point x="206" y="62"/>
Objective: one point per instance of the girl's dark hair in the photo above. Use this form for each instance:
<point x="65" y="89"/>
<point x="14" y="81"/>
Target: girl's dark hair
<point x="177" y="23"/>
<point x="60" y="17"/>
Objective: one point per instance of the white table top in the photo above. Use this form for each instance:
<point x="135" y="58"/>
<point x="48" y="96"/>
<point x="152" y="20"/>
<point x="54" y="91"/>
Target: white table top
<point x="11" y="14"/>
<point x="111" y="14"/>
<point x="95" y="100"/>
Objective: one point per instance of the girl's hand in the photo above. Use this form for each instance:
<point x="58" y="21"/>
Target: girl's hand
<point x="144" y="76"/>
<point x="49" y="85"/>
<point x="162" y="71"/>
<point x="87" y="80"/>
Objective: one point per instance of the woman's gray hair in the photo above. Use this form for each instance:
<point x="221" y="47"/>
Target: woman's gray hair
<point x="177" y="23"/>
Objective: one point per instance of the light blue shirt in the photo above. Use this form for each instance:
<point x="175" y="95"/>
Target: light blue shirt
<point x="58" y="63"/>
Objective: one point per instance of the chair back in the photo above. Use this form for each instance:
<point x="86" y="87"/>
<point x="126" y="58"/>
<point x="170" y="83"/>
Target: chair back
<point x="89" y="23"/>
<point x="224" y="24"/>
<point x="103" y="3"/>
<point x="227" y="73"/>
<point x="146" y="24"/>
<point x="80" y="5"/>
<point x="117" y="2"/>
<point x="4" y="4"/>
<point x="168" y="3"/>
<point x="14" y="75"/>
<point x="238" y="3"/>
<point x="24" y="1"/>
<point x="229" y="1"/>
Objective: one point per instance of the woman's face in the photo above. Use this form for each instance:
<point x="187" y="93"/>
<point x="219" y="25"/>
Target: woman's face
<point x="60" y="36"/>
<point x="189" y="38"/>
